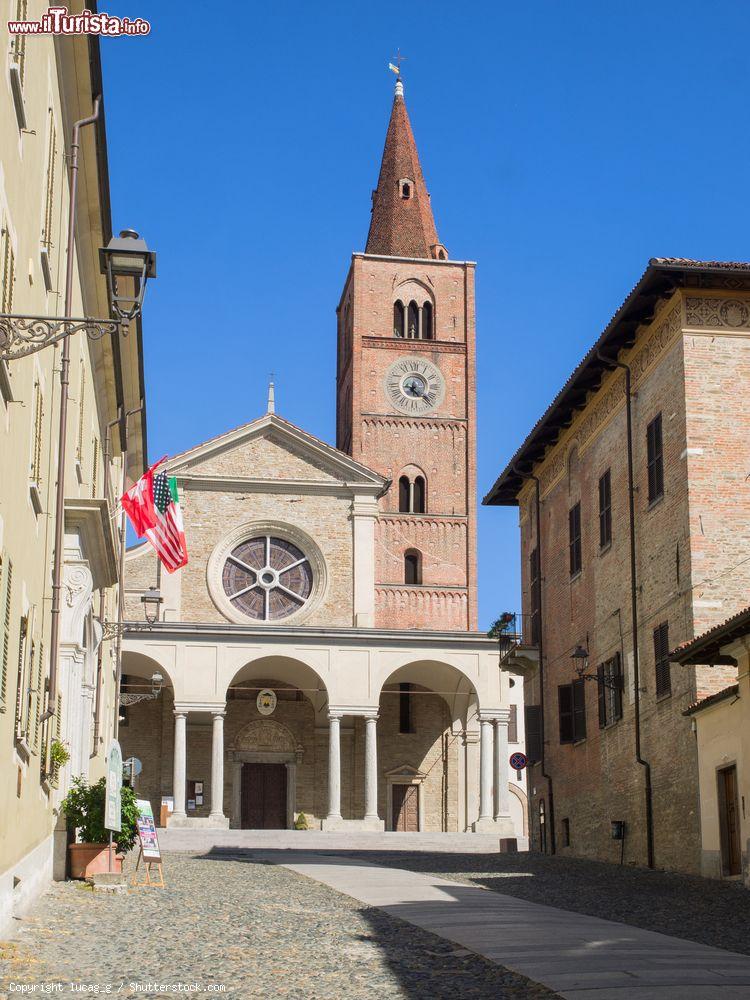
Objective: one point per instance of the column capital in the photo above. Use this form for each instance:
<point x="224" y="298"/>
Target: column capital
<point x="220" y="712"/>
<point x="335" y="715"/>
<point x="494" y="715"/>
<point x="180" y="713"/>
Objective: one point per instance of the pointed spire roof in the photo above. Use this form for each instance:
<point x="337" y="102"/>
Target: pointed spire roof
<point x="402" y="223"/>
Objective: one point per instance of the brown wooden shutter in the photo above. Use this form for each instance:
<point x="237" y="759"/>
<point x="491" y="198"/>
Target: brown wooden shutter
<point x="533" y="724"/>
<point x="602" y="694"/>
<point x="618" y="679"/>
<point x="39" y="700"/>
<point x="6" y="598"/>
<point x="661" y="659"/>
<point x="513" y="724"/>
<point x="565" y="711"/>
<point x="579" y="709"/>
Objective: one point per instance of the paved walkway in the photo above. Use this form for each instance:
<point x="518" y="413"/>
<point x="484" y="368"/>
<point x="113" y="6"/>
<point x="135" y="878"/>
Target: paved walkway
<point x="578" y="956"/>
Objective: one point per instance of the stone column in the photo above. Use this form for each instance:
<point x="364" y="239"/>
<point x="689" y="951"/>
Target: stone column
<point x="371" y="767"/>
<point x="502" y="793"/>
<point x="217" y="767"/>
<point x="179" y="774"/>
<point x="485" y="769"/>
<point x="334" y="767"/>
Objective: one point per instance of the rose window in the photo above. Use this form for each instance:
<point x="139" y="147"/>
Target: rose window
<point x="267" y="578"/>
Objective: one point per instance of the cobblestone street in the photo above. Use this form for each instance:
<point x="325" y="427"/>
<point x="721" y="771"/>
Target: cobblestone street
<point x="258" y="930"/>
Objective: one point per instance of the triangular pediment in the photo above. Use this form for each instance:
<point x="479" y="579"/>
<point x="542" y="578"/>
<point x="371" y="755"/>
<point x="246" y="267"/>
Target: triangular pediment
<point x="407" y="772"/>
<point x="272" y="449"/>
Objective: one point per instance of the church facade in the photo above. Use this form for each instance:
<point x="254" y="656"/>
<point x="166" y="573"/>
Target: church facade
<point x="319" y="652"/>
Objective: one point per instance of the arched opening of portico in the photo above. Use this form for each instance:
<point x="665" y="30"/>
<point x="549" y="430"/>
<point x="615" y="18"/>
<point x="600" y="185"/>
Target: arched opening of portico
<point x="275" y="745"/>
<point x="426" y="719"/>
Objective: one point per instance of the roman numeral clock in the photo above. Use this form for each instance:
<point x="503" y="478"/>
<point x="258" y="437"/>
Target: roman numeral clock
<point x="414" y="385"/>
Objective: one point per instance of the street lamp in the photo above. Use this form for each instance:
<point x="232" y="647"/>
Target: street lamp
<point x="580" y="658"/>
<point x="127" y="258"/>
<point x="157" y="680"/>
<point x="152" y="600"/>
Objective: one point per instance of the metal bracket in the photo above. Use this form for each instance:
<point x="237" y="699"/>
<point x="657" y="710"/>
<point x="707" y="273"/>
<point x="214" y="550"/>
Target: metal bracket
<point x="24" y="335"/>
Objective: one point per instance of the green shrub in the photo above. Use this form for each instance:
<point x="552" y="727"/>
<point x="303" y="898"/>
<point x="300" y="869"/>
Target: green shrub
<point x="84" y="809"/>
<point x="300" y="822"/>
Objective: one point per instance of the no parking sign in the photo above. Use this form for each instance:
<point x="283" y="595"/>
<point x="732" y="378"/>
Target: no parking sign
<point x="518" y="761"/>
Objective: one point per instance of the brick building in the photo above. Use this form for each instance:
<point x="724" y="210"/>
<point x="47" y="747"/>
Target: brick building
<point x="319" y="651"/>
<point x="607" y="726"/>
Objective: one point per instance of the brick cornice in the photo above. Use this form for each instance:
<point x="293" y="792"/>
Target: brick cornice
<point x="409" y="346"/>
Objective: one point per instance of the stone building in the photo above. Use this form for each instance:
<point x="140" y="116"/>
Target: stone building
<point x="319" y="651"/>
<point x="48" y="84"/>
<point x="621" y="587"/>
<point x="721" y="723"/>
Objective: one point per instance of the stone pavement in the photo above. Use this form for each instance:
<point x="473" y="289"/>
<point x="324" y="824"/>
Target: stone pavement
<point x="579" y="956"/>
<point x="241" y="929"/>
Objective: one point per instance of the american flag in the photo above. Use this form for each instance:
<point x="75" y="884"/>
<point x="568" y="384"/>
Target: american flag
<point x="138" y="502"/>
<point x="168" y="535"/>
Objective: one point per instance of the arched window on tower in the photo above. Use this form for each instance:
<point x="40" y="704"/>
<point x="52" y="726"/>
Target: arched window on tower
<point x="403" y="495"/>
<point x="427" y="333"/>
<point x="413" y="326"/>
<point x="418" y="496"/>
<point x="406" y="191"/>
<point x="398" y="318"/>
<point x="412" y="567"/>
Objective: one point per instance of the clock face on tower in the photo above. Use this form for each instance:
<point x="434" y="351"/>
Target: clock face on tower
<point x="414" y="385"/>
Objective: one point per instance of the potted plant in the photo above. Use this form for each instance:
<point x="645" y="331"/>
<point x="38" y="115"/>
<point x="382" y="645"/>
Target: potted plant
<point x="84" y="809"/>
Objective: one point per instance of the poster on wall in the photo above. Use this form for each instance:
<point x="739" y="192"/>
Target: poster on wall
<point x="147" y="832"/>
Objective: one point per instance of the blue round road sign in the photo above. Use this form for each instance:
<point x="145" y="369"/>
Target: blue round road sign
<point x="518" y="761"/>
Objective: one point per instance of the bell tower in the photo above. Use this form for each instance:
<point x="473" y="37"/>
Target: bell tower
<point x="406" y="396"/>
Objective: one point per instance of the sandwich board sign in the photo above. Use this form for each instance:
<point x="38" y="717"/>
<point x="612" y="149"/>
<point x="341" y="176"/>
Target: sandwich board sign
<point x="149" y="845"/>
<point x="113" y="795"/>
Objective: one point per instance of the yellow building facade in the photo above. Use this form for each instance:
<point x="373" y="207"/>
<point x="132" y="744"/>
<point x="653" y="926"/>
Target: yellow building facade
<point x="49" y="84"/>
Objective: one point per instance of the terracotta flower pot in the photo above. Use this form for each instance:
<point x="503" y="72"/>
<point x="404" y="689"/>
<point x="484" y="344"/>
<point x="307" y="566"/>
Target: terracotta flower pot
<point x="92" y="859"/>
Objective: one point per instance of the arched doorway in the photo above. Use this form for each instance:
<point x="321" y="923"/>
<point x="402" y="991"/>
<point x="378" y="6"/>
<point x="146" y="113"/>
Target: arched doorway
<point x="274" y="712"/>
<point x="422" y="721"/>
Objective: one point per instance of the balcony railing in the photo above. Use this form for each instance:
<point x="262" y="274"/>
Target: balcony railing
<point x="514" y="629"/>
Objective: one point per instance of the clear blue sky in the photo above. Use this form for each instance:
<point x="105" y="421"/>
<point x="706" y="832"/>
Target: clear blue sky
<point x="563" y="144"/>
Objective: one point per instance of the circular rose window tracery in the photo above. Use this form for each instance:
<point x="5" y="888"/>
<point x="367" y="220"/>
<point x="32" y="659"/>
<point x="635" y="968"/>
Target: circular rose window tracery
<point x="267" y="578"/>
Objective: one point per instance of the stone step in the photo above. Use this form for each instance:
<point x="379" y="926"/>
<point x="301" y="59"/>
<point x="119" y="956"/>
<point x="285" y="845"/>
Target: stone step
<point x="202" y="839"/>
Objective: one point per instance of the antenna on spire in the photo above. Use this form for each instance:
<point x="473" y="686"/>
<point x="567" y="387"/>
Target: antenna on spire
<point x="271" y="405"/>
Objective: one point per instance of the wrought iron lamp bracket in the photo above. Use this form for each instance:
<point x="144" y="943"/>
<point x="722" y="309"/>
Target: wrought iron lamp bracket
<point x="24" y="335"/>
<point x="111" y="630"/>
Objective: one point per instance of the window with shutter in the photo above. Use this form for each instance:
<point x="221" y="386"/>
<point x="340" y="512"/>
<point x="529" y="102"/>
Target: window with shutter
<point x="605" y="510"/>
<point x="35" y="471"/>
<point x="655" y="449"/>
<point x="6" y="600"/>
<point x="38" y="696"/>
<point x="24" y="678"/>
<point x="574" y="524"/>
<point x="18" y="42"/>
<point x="572" y="709"/>
<point x="49" y="204"/>
<point x="513" y="724"/>
<point x="565" y="711"/>
<point x="661" y="660"/>
<point x="609" y="683"/>
<point x="94" y="468"/>
<point x="7" y="269"/>
<point x="532" y="717"/>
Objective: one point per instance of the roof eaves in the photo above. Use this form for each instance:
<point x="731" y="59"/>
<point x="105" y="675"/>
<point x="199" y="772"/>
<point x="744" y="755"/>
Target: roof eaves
<point x="657" y="281"/>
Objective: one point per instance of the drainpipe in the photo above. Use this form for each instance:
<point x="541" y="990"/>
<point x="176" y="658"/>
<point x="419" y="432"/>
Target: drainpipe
<point x="57" y="562"/>
<point x="543" y="761"/>
<point x="102" y="596"/>
<point x="613" y="363"/>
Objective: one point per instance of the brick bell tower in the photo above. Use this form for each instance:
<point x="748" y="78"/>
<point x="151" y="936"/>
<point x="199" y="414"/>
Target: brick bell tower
<point x="406" y="396"/>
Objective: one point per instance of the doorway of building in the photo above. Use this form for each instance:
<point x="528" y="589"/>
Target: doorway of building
<point x="263" y="797"/>
<point x="729" y="822"/>
<point x="406" y="808"/>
